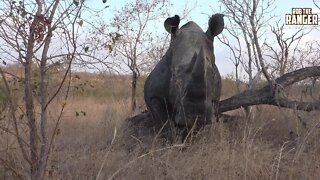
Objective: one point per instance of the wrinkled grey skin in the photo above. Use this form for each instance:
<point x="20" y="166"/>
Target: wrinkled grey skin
<point x="185" y="85"/>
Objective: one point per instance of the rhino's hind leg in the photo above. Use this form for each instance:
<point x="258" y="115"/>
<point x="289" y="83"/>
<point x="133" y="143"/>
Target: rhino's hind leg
<point x="159" y="110"/>
<point x="161" y="114"/>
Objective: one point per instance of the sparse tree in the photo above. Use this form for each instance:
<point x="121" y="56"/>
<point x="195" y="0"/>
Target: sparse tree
<point x="40" y="36"/>
<point x="247" y="22"/>
<point x="283" y="54"/>
<point x="133" y="39"/>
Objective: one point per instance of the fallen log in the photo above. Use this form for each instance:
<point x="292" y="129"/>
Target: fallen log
<point x="273" y="95"/>
<point x="269" y="95"/>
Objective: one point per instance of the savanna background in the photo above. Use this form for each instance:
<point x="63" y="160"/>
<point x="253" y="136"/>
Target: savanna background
<point x="71" y="76"/>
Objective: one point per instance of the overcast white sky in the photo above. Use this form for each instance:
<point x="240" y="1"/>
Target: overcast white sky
<point x="204" y="8"/>
<point x="282" y="7"/>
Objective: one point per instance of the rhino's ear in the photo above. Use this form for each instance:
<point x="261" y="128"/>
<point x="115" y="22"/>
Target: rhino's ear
<point x="172" y="24"/>
<point x="216" y="25"/>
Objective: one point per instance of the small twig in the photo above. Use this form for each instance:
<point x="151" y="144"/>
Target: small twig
<point x="135" y="138"/>
<point x="142" y="156"/>
<point x="279" y="159"/>
<point x="12" y="111"/>
<point x="14" y="171"/>
<point x="157" y="135"/>
<point x="107" y="153"/>
<point x="191" y="130"/>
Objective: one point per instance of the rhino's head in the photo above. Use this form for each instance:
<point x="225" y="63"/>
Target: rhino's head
<point x="192" y="91"/>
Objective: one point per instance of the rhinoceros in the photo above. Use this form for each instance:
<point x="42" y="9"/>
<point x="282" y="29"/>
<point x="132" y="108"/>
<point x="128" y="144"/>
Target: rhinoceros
<point x="184" y="87"/>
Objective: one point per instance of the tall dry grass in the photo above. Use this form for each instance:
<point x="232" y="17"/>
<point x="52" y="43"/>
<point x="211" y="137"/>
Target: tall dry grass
<point x="272" y="143"/>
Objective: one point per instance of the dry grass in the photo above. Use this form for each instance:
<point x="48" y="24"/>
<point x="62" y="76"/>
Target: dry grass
<point x="272" y="148"/>
<point x="273" y="144"/>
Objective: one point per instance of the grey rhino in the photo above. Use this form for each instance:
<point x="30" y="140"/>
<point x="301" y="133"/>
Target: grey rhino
<point x="185" y="85"/>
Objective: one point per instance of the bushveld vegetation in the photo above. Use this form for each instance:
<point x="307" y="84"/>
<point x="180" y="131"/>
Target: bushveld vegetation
<point x="93" y="140"/>
<point x="57" y="122"/>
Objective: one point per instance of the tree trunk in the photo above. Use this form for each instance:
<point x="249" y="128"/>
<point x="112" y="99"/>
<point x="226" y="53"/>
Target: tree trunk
<point x="44" y="113"/>
<point x="31" y="120"/>
<point x="134" y="90"/>
<point x="29" y="104"/>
